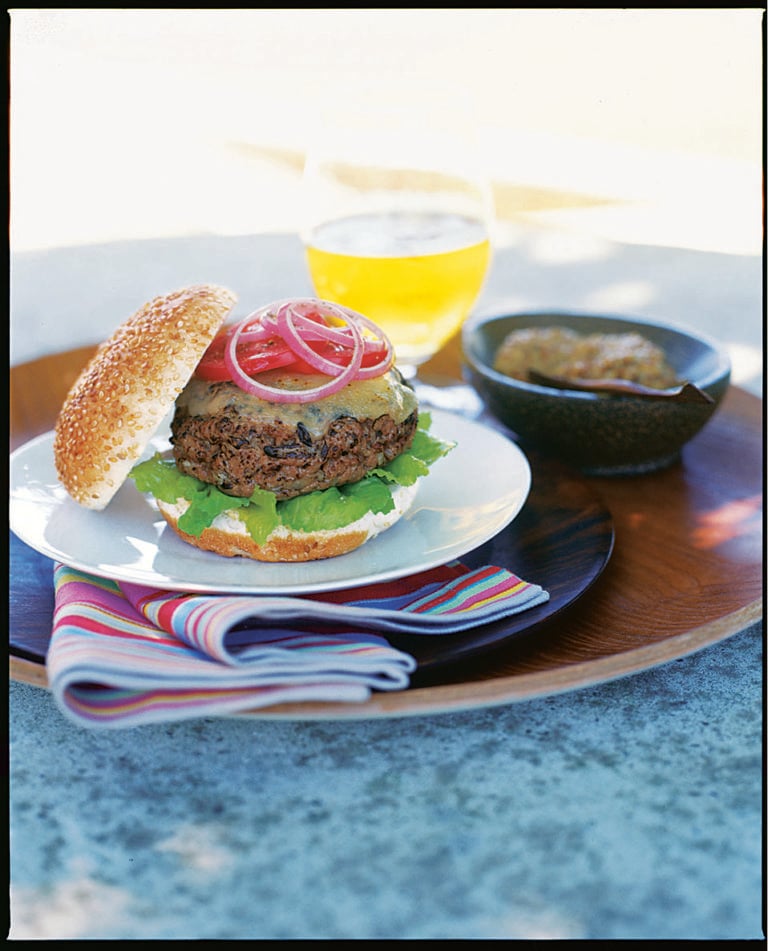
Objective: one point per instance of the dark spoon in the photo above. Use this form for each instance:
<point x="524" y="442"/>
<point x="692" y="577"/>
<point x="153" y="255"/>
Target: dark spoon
<point x="686" y="393"/>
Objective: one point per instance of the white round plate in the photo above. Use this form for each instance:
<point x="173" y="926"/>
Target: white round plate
<point x="469" y="496"/>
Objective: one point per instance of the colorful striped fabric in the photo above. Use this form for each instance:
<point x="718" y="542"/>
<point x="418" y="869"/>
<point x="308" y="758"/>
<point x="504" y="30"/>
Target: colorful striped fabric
<point x="123" y="655"/>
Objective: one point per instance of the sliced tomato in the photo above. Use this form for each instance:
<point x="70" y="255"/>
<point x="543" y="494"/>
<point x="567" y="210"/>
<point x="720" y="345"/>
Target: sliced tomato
<point x="254" y="357"/>
<point x="259" y="356"/>
<point x="341" y="354"/>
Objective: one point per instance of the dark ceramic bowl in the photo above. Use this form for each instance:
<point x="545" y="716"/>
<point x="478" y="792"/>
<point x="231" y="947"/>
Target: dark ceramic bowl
<point x="601" y="435"/>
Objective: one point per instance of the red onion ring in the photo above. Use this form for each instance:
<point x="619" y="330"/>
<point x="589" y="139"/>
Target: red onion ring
<point x="262" y="323"/>
<point x="297" y="321"/>
<point x="290" y="334"/>
<point x="341" y="335"/>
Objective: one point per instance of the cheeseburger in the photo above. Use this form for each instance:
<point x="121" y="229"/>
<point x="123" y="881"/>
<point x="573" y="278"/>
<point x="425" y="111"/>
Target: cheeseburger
<point x="293" y="435"/>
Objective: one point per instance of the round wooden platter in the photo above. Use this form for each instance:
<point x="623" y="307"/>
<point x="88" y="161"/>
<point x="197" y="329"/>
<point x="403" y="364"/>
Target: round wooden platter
<point x="686" y="569"/>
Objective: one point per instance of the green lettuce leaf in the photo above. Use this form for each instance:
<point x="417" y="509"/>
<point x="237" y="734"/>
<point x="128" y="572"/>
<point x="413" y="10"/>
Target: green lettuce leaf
<point x="161" y="478"/>
<point x="425" y="446"/>
<point x="337" y="506"/>
<point x="261" y="513"/>
<point x="206" y="504"/>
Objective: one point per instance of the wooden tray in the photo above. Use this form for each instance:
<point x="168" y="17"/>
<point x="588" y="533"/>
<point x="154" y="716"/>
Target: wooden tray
<point x="686" y="569"/>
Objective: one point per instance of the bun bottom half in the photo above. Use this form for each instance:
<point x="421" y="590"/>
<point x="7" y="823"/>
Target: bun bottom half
<point x="228" y="536"/>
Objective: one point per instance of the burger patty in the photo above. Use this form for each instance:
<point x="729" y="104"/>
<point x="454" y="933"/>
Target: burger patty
<point x="238" y="454"/>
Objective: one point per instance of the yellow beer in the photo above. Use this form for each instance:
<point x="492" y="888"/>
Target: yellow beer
<point x="416" y="275"/>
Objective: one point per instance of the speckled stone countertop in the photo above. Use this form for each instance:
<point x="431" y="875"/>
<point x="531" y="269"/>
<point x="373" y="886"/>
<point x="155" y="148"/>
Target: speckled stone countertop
<point x="627" y="810"/>
<point x="630" y="809"/>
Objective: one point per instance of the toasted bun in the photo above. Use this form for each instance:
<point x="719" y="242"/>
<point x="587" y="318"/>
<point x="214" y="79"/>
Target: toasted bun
<point x="228" y="536"/>
<point x="129" y="386"/>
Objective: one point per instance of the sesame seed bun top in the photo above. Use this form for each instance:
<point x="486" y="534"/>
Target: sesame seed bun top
<point x="128" y="387"/>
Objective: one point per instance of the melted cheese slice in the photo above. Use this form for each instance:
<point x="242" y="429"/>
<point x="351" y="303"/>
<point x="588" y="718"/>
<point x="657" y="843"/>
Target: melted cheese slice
<point x="363" y="399"/>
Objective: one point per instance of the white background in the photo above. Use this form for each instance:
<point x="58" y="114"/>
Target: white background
<point x="638" y="125"/>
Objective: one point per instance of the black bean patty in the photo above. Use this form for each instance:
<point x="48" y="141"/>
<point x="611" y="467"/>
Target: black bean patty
<point x="239" y="454"/>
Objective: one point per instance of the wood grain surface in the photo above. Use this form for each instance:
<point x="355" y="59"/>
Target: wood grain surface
<point x="686" y="569"/>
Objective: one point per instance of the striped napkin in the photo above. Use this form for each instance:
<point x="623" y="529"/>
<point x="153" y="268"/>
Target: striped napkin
<point x="123" y="655"/>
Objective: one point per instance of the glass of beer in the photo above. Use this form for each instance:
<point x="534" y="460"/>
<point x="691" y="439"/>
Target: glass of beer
<point x="397" y="226"/>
